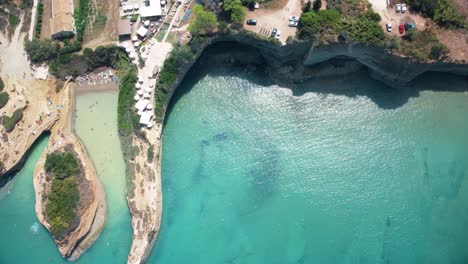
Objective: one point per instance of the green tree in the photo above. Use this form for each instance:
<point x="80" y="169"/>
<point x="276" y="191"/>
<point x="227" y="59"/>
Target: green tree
<point x="238" y="14"/>
<point x="312" y="23"/>
<point x="307" y="7"/>
<point x="231" y="4"/>
<point x="317" y="5"/>
<point x="41" y="50"/>
<point x="204" y="23"/>
<point x="235" y="10"/>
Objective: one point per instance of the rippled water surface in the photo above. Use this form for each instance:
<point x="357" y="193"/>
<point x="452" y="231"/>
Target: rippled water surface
<point x="253" y="174"/>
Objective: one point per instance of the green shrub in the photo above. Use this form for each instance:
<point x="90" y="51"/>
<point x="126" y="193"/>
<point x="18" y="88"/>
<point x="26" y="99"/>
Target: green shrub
<point x="150" y="154"/>
<point x="81" y="18"/>
<point x="41" y="50"/>
<point x="313" y="23"/>
<point x="40" y="11"/>
<point x="61" y="165"/>
<point x="204" y="23"/>
<point x="235" y="10"/>
<point x="63" y="196"/>
<point x="437" y="50"/>
<point x="4" y="97"/>
<point x="442" y="12"/>
<point x="134" y="18"/>
<point x="61" y="205"/>
<point x="70" y="48"/>
<point x="9" y="123"/>
<point x="179" y="56"/>
<point x="2" y="84"/>
<point x="446" y="14"/>
<point x="423" y="45"/>
<point x="13" y="20"/>
<point x="125" y="103"/>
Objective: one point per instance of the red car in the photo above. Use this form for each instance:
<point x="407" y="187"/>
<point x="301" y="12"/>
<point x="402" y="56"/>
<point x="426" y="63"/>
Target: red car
<point x="401" y="28"/>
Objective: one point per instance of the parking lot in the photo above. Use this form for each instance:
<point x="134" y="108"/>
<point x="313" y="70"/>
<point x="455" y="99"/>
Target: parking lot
<point x="267" y="19"/>
<point x="386" y="9"/>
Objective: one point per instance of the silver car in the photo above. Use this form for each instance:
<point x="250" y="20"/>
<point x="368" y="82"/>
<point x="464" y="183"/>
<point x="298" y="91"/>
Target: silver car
<point x="389" y="27"/>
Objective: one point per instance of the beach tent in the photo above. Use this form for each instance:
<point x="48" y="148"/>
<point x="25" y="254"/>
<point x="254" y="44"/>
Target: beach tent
<point x="149" y="90"/>
<point x="140" y="113"/>
<point x="137" y="97"/>
<point x="142" y="31"/>
<point x="128" y="49"/>
<point x="140" y="79"/>
<point x="149" y="106"/>
<point x="140" y="92"/>
<point x="146" y="95"/>
<point x="141" y="105"/>
<point x="134" y="38"/>
<point x="145" y="118"/>
<point x="131" y="55"/>
<point x="138" y="85"/>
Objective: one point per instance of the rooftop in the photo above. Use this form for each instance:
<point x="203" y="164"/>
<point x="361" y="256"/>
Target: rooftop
<point x="150" y="8"/>
<point x="124" y="27"/>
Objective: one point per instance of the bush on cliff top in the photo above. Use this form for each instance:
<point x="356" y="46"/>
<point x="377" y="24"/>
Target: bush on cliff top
<point x="3" y="99"/>
<point x="62" y="165"/>
<point x="178" y="57"/>
<point x="325" y="25"/>
<point x="443" y="12"/>
<point x="10" y="122"/>
<point x="41" y="50"/>
<point x="204" y="23"/>
<point x="63" y="196"/>
<point x="2" y="84"/>
<point x="422" y="45"/>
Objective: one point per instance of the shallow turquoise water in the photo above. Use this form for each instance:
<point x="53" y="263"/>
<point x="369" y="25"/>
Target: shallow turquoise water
<point x="253" y="174"/>
<point x="23" y="240"/>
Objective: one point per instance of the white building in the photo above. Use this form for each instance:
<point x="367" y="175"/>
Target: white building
<point x="150" y="9"/>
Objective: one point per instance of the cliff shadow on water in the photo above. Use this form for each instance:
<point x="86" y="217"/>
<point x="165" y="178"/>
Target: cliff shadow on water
<point x="339" y="75"/>
<point x="8" y="176"/>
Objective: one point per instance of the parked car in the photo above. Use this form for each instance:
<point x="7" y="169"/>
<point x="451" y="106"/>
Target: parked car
<point x="251" y="22"/>
<point x="294" y="18"/>
<point x="293" y="23"/>
<point x="389" y="27"/>
<point x="273" y="32"/>
<point x="401" y="29"/>
<point x="408" y="26"/>
<point x="278" y="34"/>
<point x="403" y="8"/>
<point x="398" y="8"/>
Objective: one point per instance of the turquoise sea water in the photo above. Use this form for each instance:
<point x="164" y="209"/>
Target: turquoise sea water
<point x="23" y="240"/>
<point x="253" y="174"/>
